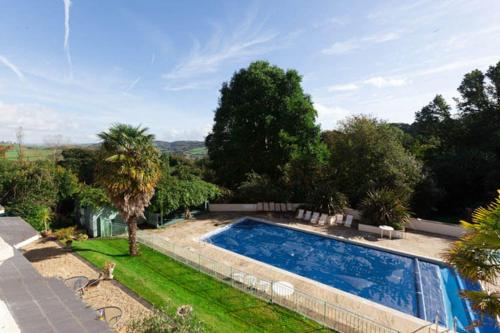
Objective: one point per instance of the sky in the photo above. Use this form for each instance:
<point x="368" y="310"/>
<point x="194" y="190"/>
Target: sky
<point x="71" y="68"/>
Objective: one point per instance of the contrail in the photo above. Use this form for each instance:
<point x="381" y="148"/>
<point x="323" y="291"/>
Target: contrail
<point x="12" y="67"/>
<point x="67" y="5"/>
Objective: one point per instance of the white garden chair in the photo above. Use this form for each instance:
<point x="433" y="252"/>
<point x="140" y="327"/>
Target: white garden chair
<point x="300" y="214"/>
<point x="307" y="215"/>
<point x="322" y="219"/>
<point x="314" y="218"/>
<point x="348" y="221"/>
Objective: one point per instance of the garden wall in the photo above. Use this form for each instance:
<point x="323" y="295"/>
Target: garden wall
<point x="434" y="227"/>
<point x="240" y="207"/>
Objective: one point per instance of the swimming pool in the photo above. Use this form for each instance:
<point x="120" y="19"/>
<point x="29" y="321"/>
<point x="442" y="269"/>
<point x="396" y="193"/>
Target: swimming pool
<point x="411" y="285"/>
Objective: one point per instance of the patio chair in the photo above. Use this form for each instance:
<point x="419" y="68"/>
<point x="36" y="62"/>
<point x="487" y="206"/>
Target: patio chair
<point x="260" y="206"/>
<point x="289" y="207"/>
<point x="265" y="206"/>
<point x="330" y="220"/>
<point x="307" y="215"/>
<point x="277" y="207"/>
<point x="271" y="206"/>
<point x="300" y="214"/>
<point x="110" y="314"/>
<point x="322" y="219"/>
<point x="348" y="221"/>
<point x="338" y="219"/>
<point x="315" y="218"/>
<point x="283" y="207"/>
<point x="77" y="283"/>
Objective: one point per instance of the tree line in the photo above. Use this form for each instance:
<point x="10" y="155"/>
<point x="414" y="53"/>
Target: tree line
<point x="266" y="145"/>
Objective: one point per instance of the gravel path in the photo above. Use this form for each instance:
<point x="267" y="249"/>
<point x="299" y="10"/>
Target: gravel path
<point x="51" y="260"/>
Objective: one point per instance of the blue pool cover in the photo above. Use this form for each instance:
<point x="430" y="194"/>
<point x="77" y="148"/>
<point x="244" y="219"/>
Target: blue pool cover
<point x="417" y="287"/>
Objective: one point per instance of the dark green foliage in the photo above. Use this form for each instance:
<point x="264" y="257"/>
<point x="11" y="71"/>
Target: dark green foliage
<point x="92" y="197"/>
<point x="82" y="162"/>
<point x="385" y="207"/>
<point x="257" y="188"/>
<point x="367" y="154"/>
<point x="180" y="186"/>
<point x="264" y="121"/>
<point x="325" y="198"/>
<point x="461" y="154"/>
<point x="30" y="189"/>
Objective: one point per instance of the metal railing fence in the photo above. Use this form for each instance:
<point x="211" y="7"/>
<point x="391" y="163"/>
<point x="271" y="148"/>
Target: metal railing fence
<point x="329" y="315"/>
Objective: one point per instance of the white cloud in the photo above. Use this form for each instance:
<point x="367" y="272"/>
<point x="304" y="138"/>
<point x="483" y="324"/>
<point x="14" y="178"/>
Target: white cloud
<point x="360" y="43"/>
<point x="174" y="134"/>
<point x="330" y="115"/>
<point x="343" y="87"/>
<point x="34" y="118"/>
<point x="246" y="40"/>
<point x="6" y="62"/>
<point x="382" y="82"/>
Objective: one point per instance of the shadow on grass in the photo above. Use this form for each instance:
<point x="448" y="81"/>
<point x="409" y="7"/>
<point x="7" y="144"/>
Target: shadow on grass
<point x="79" y="249"/>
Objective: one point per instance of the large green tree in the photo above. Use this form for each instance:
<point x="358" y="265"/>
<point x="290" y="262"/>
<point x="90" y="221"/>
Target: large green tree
<point x="263" y="121"/>
<point x="129" y="172"/>
<point x="180" y="187"/>
<point x="462" y="152"/>
<point x="367" y="154"/>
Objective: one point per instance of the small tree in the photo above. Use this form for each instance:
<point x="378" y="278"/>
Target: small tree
<point x="385" y="207"/>
<point x="130" y="169"/>
<point x="476" y="257"/>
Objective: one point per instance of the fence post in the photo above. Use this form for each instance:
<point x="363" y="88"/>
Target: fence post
<point x="324" y="312"/>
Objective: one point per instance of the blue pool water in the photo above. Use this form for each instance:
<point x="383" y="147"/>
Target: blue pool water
<point x="417" y="287"/>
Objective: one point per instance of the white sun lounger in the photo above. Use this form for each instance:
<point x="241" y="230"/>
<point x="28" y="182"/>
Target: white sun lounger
<point x="283" y="207"/>
<point x="289" y="207"/>
<point x="271" y="206"/>
<point x="300" y="214"/>
<point x="322" y="219"/>
<point x="307" y="215"/>
<point x="315" y="218"/>
<point x="348" y="221"/>
<point x="339" y="218"/>
<point x="265" y="206"/>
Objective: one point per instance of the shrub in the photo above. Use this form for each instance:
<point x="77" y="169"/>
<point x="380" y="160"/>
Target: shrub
<point x="183" y="321"/>
<point x="325" y="198"/>
<point x="36" y="215"/>
<point x="385" y="207"/>
<point x="65" y="233"/>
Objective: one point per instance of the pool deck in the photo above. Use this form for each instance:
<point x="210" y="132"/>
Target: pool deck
<point x="187" y="234"/>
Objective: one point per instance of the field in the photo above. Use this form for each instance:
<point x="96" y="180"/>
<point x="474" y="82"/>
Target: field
<point x="163" y="281"/>
<point x="31" y="153"/>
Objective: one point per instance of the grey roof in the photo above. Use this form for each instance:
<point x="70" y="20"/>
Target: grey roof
<point x="15" y="230"/>
<point x="40" y="305"/>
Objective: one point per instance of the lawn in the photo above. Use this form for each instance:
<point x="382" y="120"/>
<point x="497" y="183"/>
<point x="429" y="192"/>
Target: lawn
<point x="30" y="153"/>
<point x="162" y="280"/>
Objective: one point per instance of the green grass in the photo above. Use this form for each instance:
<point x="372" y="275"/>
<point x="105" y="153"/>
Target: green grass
<point x="197" y="152"/>
<point x="163" y="281"/>
<point x="30" y="153"/>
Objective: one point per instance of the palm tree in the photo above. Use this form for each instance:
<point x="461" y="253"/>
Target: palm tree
<point x="129" y="171"/>
<point x="476" y="256"/>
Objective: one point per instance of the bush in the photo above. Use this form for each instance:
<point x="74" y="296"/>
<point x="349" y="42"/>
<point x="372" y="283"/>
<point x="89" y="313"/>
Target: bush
<point x="183" y="321"/>
<point x="65" y="234"/>
<point x="36" y="215"/>
<point x="385" y="207"/>
<point x="258" y="188"/>
<point x="326" y="199"/>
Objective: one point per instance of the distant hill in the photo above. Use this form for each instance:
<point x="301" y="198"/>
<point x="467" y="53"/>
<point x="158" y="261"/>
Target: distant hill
<point x="195" y="149"/>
